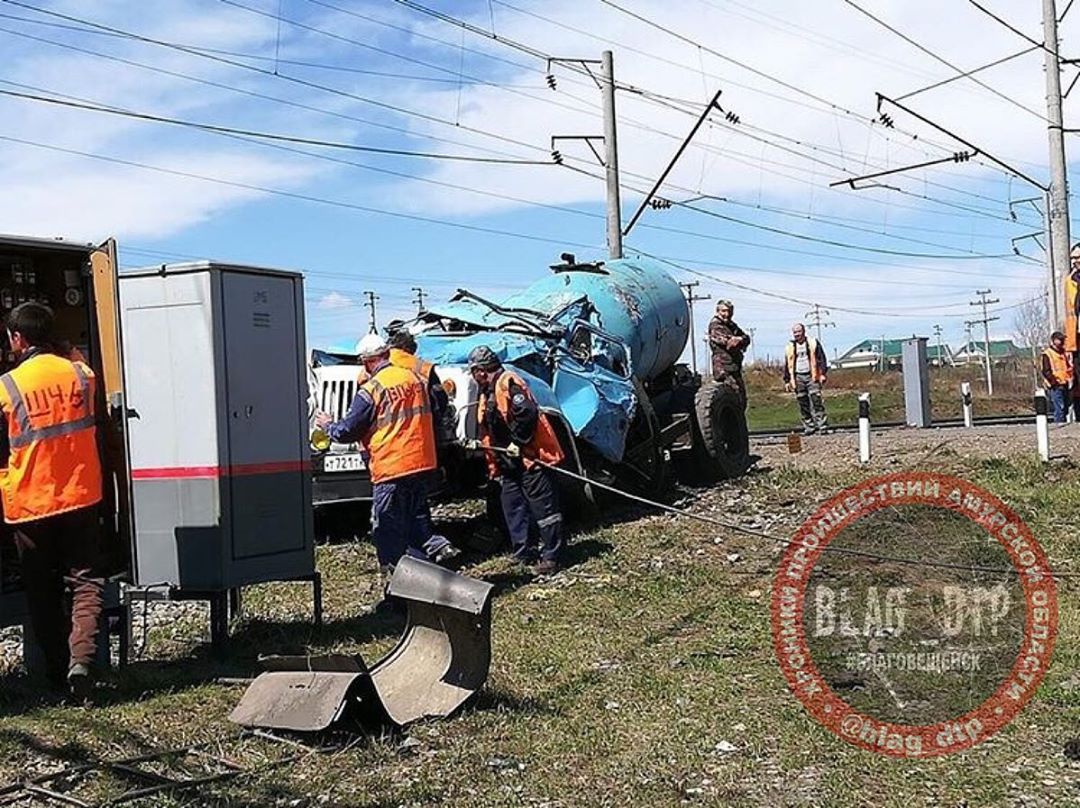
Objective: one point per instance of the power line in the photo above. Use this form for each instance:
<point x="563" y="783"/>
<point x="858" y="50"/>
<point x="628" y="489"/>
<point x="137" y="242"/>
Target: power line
<point x="1011" y="27"/>
<point x="296" y="195"/>
<point x="269" y="73"/>
<point x="145" y="116"/>
<point x="250" y="93"/>
<point x="943" y="61"/>
<point x="968" y="73"/>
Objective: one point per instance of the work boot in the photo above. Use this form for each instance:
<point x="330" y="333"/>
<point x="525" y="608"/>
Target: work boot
<point x="547" y="566"/>
<point x="80" y="682"/>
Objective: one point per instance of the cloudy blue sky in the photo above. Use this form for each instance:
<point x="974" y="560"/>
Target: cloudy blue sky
<point x="767" y="231"/>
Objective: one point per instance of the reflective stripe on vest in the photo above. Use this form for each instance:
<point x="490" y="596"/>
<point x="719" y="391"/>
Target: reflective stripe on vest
<point x="401" y="439"/>
<point x="1061" y="366"/>
<point x="544" y="445"/>
<point x="53" y="465"/>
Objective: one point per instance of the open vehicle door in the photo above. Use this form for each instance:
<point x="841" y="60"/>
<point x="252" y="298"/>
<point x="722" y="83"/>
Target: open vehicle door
<point x="112" y="406"/>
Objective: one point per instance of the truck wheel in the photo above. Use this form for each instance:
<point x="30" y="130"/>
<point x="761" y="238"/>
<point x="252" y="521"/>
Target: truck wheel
<point x="721" y="437"/>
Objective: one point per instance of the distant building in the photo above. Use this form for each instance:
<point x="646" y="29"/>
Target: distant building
<point x="1001" y="351"/>
<point x="885" y="354"/>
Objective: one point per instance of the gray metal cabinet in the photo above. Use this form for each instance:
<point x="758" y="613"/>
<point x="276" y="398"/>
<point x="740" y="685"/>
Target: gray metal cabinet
<point x="217" y="430"/>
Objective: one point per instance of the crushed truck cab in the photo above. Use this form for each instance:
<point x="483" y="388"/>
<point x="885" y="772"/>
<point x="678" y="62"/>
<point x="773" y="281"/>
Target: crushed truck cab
<point x="599" y="345"/>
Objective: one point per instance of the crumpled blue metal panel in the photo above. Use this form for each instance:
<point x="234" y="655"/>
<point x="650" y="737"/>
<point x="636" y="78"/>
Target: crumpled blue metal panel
<point x="598" y="405"/>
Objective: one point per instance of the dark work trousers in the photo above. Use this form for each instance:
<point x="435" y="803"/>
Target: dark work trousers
<point x="1059" y="401"/>
<point x="401" y="520"/>
<point x="60" y="552"/>
<point x="529" y="497"/>
<point x="811" y="407"/>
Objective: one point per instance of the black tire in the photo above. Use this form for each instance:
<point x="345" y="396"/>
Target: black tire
<point x="721" y="437"/>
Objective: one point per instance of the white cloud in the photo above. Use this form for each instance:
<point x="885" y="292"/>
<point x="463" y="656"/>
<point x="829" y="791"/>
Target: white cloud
<point x="335" y="301"/>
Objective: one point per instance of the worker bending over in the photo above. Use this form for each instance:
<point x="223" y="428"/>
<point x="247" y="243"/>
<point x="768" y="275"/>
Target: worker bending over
<point x="391" y="416"/>
<point x="805" y="369"/>
<point x="51" y="486"/>
<point x="1057" y="375"/>
<point x="511" y="421"/>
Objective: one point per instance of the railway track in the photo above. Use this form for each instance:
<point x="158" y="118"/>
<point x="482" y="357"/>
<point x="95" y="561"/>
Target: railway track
<point x="949" y="423"/>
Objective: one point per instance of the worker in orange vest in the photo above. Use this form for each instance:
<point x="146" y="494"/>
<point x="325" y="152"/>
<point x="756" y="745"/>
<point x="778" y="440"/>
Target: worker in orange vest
<point x="391" y="415"/>
<point x="805" y="371"/>
<point x="51" y="487"/>
<point x="1057" y="375"/>
<point x="510" y="420"/>
<point x="403" y="355"/>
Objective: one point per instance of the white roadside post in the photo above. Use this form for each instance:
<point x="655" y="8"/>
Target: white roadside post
<point x="864" y="428"/>
<point x="965" y="397"/>
<point x="1042" y="431"/>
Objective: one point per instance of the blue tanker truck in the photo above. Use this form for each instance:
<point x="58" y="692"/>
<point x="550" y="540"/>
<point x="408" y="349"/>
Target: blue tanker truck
<point x="599" y="345"/>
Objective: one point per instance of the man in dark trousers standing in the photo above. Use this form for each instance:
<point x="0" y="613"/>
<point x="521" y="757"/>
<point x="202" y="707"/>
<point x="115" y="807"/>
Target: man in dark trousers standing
<point x="51" y="488"/>
<point x="1056" y="367"/>
<point x="805" y="371"/>
<point x="728" y="343"/>
<point x="511" y="421"/>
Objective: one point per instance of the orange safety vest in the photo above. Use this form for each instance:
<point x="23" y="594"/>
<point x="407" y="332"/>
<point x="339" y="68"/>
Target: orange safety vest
<point x="53" y="465"/>
<point x="816" y="373"/>
<point x="544" y="445"/>
<point x="401" y="440"/>
<point x="1061" y="367"/>
<point x="404" y="359"/>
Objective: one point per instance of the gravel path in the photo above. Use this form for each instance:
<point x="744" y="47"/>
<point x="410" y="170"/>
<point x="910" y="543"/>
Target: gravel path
<point x="894" y="449"/>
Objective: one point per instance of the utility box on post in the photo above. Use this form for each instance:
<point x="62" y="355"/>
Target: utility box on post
<point x="217" y="426"/>
<point x="916" y="382"/>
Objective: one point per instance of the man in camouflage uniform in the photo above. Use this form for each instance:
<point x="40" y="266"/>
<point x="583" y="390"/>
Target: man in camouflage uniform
<point x="728" y="343"/>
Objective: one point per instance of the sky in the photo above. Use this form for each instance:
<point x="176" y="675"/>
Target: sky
<point x="754" y="218"/>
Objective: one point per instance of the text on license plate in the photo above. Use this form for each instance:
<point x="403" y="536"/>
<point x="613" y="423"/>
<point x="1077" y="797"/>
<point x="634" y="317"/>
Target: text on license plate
<point x="345" y="462"/>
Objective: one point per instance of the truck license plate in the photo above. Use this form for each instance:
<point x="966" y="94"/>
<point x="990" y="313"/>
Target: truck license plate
<point x="344" y="462"/>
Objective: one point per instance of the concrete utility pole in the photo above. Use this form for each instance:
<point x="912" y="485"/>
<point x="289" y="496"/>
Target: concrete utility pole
<point x="691" y="299"/>
<point x="986" y="320"/>
<point x="1058" y="197"/>
<point x="940" y="356"/>
<point x="818" y="323"/>
<point x="753" y="354"/>
<point x="371" y="298"/>
<point x="419" y="299"/>
<point x="881" y="355"/>
<point x="967" y="346"/>
<point x="611" y="157"/>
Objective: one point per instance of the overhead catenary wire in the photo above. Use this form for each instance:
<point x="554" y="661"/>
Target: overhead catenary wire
<point x="315" y="85"/>
<point x="208" y="127"/>
<point x="943" y="61"/>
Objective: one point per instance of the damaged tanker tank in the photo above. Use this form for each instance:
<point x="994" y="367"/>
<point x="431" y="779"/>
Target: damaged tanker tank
<point x="599" y="344"/>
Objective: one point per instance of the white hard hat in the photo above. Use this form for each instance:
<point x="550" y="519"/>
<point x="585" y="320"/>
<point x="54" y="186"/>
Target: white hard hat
<point x="371" y="345"/>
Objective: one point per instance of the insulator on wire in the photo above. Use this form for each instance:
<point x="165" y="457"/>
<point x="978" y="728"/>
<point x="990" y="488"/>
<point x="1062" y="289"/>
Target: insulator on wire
<point x="961" y="157"/>
<point x="556" y="156"/>
<point x="551" y="81"/>
<point x="886" y="119"/>
<point x="659" y="203"/>
<point x="732" y="117"/>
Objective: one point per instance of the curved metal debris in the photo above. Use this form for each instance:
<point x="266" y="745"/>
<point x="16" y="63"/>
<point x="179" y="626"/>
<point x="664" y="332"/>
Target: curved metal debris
<point x="440" y="661"/>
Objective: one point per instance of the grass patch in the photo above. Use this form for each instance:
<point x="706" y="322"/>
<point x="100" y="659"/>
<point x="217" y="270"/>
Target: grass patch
<point x="643" y="675"/>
